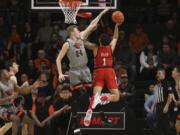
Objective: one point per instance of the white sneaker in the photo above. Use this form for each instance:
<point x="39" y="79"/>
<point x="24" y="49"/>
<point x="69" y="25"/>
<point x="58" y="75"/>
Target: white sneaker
<point x="87" y="118"/>
<point x="96" y="101"/>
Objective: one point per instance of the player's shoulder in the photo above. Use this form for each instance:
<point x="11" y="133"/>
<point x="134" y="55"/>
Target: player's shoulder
<point x="66" y="44"/>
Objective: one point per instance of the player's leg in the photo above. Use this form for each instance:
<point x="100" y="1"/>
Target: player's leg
<point x="98" y="83"/>
<point x="112" y="85"/>
<point x="113" y="97"/>
<point x="15" y="123"/>
<point x="30" y="124"/>
<point x="93" y="102"/>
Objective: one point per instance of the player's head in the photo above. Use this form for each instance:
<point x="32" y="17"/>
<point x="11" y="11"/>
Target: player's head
<point x="104" y="39"/>
<point x="14" y="67"/>
<point x="65" y="93"/>
<point x="4" y="74"/>
<point x="176" y="72"/>
<point x="73" y="31"/>
<point x="161" y="74"/>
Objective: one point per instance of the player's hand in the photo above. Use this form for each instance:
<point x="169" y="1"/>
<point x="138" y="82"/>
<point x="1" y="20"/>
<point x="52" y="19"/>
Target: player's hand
<point x="43" y="123"/>
<point x="171" y="98"/>
<point x="40" y="125"/>
<point x="165" y="109"/>
<point x="62" y="77"/>
<point x="118" y="24"/>
<point x="38" y="84"/>
<point x="14" y="95"/>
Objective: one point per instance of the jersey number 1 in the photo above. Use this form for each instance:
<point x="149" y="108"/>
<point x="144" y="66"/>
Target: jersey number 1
<point x="104" y="61"/>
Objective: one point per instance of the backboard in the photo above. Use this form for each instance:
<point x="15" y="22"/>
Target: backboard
<point x="87" y="4"/>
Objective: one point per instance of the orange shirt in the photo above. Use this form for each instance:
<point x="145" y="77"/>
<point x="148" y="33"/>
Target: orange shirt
<point x="138" y="41"/>
<point x="51" y="109"/>
<point x="38" y="62"/>
<point x="15" y="38"/>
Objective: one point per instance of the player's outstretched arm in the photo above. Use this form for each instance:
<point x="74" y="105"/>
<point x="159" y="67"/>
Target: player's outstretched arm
<point x="89" y="45"/>
<point x="61" y="55"/>
<point x="24" y="90"/>
<point x="115" y="37"/>
<point x="92" y="26"/>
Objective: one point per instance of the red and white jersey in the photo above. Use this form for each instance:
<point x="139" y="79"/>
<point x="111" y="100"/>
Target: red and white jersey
<point x="104" y="57"/>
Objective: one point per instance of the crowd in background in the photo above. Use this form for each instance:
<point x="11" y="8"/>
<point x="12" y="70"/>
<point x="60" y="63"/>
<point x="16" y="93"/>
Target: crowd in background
<point x="148" y="39"/>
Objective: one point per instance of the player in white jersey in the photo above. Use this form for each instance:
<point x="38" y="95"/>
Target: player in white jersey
<point x="9" y="91"/>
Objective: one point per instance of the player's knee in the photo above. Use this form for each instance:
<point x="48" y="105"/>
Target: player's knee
<point x="116" y="96"/>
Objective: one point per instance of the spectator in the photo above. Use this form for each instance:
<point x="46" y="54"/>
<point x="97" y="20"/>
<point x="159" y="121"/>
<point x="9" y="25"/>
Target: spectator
<point x="148" y="61"/>
<point x="63" y="32"/>
<point x="31" y="71"/>
<point x="41" y="109"/>
<point x="138" y="40"/>
<point x="126" y="57"/>
<point x="44" y="34"/>
<point x="43" y="112"/>
<point x="55" y="28"/>
<point x="122" y="41"/>
<point x="24" y="81"/>
<point x="28" y="39"/>
<point x="27" y="99"/>
<point x="3" y="33"/>
<point x="47" y="88"/>
<point x="149" y="108"/>
<point x="149" y="11"/>
<point x="60" y="123"/>
<point x="14" y="42"/>
<point x="55" y="80"/>
<point x="13" y="70"/>
<point x="55" y="45"/>
<point x="171" y="32"/>
<point x="167" y="58"/>
<point x="163" y="11"/>
<point x="127" y="101"/>
<point x="14" y="11"/>
<point x="41" y="62"/>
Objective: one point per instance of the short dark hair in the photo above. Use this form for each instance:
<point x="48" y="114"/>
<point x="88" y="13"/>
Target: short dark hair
<point x="161" y="69"/>
<point x="104" y="39"/>
<point x="70" y="28"/>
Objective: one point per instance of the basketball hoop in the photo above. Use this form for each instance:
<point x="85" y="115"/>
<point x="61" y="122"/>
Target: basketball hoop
<point x="70" y="9"/>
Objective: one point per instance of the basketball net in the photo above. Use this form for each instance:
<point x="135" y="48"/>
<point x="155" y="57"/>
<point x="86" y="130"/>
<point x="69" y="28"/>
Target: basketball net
<point x="70" y="9"/>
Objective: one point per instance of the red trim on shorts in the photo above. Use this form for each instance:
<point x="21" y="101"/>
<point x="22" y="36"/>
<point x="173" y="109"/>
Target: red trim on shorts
<point x="76" y="87"/>
<point x="87" y="85"/>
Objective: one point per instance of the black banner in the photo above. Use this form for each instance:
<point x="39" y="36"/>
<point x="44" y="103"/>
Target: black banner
<point x="116" y="121"/>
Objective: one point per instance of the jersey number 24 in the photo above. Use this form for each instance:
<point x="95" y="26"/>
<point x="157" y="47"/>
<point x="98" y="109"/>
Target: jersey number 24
<point x="79" y="53"/>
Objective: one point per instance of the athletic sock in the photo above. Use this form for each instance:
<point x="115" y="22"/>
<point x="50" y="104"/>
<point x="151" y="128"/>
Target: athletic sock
<point x="91" y="101"/>
<point x="104" y="98"/>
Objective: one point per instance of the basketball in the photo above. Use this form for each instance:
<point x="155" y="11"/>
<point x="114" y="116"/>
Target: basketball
<point x="118" y="17"/>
